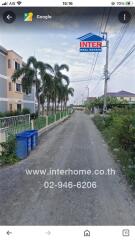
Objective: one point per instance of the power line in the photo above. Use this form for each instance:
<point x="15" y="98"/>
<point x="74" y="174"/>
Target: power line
<point x="119" y="39"/>
<point x="99" y="81"/>
<point x="105" y="27"/>
<point x="107" y="20"/>
<point x="124" y="59"/>
<point x="121" y="36"/>
<point x="126" y="45"/>
<point x="96" y="56"/>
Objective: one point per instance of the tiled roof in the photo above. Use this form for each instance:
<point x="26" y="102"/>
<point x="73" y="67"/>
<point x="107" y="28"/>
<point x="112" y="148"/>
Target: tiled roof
<point x="121" y="94"/>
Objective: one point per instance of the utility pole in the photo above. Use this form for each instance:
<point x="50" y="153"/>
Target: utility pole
<point x="88" y="91"/>
<point x="106" y="72"/>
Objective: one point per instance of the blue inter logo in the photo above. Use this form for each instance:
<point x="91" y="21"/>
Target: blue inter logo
<point x="91" y="43"/>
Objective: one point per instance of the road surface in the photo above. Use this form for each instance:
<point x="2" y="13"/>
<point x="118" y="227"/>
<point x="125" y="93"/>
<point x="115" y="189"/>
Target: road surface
<point x="75" y="144"/>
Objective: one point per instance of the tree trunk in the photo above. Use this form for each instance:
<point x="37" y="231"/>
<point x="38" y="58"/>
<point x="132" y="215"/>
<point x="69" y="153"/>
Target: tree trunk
<point x="38" y="106"/>
<point x="55" y="104"/>
<point x="61" y="105"/>
<point x="52" y="107"/>
<point x="48" y="105"/>
<point x="43" y="109"/>
<point x="38" y="98"/>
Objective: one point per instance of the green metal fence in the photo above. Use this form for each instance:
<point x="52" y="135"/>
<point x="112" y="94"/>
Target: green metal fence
<point x="10" y="126"/>
<point x="40" y="122"/>
<point x="14" y="124"/>
<point x="58" y="116"/>
<point x="51" y="119"/>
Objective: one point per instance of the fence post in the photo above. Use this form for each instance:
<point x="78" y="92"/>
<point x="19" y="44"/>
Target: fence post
<point x="32" y="124"/>
<point x="46" y="120"/>
<point x="55" y="118"/>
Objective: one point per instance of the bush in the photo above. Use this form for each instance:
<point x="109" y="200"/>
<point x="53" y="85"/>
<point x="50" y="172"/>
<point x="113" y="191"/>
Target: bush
<point x="118" y="128"/>
<point x="25" y="111"/>
<point x="14" y="113"/>
<point x="99" y="121"/>
<point x="8" y="151"/>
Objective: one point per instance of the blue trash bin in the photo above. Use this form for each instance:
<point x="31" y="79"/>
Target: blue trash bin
<point x="34" y="138"/>
<point x="23" y="144"/>
<point x="29" y="140"/>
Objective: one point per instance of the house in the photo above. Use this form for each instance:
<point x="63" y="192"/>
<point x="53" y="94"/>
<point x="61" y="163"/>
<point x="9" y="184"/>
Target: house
<point x="11" y="96"/>
<point x="123" y="95"/>
<point x="90" y="98"/>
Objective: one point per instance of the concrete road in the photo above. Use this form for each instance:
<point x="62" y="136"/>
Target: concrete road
<point x="75" y="144"/>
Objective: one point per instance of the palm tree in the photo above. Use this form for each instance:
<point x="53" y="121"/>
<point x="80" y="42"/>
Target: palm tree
<point x="67" y="91"/>
<point x="61" y="91"/>
<point x="47" y="89"/>
<point x="32" y="73"/>
<point x="59" y="77"/>
<point x="42" y="102"/>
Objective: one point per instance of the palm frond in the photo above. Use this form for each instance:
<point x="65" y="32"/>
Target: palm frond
<point x="64" y="67"/>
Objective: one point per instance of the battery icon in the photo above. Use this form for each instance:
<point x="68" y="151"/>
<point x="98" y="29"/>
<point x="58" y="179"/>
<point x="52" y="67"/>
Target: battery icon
<point x="128" y="3"/>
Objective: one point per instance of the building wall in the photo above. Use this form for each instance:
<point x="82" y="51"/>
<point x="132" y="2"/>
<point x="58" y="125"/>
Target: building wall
<point x="3" y="81"/>
<point x="29" y="100"/>
<point x="129" y="99"/>
<point x="30" y="106"/>
<point x="14" y="97"/>
<point x="10" y="96"/>
<point x="3" y="63"/>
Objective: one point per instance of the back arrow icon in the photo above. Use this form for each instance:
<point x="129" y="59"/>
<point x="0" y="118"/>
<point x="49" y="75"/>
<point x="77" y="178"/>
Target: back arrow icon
<point x="8" y="232"/>
<point x="9" y="17"/>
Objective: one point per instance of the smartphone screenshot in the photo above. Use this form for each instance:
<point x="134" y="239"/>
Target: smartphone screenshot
<point x="67" y="120"/>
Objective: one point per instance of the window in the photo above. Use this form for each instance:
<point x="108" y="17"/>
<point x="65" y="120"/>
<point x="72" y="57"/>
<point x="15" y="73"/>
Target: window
<point x="10" y="86"/>
<point x="17" y="65"/>
<point x="19" y="107"/>
<point x="18" y="87"/>
<point x="10" y="107"/>
<point x="9" y="63"/>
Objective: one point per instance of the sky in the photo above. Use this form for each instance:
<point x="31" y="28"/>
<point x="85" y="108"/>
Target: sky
<point x="56" y="41"/>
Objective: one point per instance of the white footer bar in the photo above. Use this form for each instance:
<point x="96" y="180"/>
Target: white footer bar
<point x="69" y="232"/>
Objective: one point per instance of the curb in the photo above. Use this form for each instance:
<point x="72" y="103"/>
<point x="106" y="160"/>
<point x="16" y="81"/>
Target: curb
<point x="51" y="126"/>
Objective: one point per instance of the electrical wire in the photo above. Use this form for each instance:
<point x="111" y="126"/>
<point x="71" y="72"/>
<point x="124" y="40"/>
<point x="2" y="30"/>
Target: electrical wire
<point x="124" y="59"/>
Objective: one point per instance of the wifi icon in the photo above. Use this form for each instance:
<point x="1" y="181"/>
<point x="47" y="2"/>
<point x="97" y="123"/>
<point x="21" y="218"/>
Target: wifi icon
<point x="19" y="2"/>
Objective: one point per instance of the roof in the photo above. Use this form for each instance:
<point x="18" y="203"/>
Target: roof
<point x="121" y="94"/>
<point x="3" y="50"/>
<point x="91" y="37"/>
<point x="14" y="53"/>
<point x="91" y="98"/>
